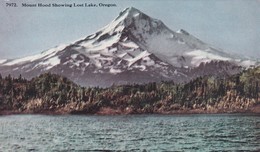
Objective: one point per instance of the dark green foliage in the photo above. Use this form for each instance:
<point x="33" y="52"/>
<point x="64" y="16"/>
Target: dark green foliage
<point x="53" y="92"/>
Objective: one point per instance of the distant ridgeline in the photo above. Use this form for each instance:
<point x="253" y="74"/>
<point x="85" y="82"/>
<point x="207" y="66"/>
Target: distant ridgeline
<point x="53" y="94"/>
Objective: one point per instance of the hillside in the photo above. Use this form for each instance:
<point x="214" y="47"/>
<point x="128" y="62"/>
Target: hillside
<point x="50" y="93"/>
<point x="132" y="48"/>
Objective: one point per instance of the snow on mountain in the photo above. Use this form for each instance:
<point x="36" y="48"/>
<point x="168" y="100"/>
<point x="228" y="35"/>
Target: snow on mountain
<point x="133" y="48"/>
<point x="199" y="56"/>
<point x="177" y="48"/>
<point x="3" y="61"/>
<point x="49" y="55"/>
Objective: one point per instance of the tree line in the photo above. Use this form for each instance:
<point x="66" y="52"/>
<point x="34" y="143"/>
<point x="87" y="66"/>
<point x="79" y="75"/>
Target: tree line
<point x="51" y="92"/>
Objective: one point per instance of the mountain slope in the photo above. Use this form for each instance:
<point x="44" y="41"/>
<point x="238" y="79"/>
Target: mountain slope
<point x="133" y="48"/>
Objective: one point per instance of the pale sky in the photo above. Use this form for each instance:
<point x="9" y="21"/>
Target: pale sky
<point x="232" y="25"/>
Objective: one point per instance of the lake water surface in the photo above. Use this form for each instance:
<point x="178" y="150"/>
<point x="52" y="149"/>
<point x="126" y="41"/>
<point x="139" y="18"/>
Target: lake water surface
<point x="130" y="133"/>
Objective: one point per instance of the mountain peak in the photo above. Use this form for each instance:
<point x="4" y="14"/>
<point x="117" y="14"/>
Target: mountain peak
<point x="132" y="9"/>
<point x="133" y="45"/>
<point x="135" y="19"/>
<point x="132" y="21"/>
<point x="129" y="12"/>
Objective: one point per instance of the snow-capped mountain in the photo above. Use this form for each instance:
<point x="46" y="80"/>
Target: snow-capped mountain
<point x="133" y="48"/>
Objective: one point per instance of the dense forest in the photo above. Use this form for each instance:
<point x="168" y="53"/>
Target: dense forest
<point x="50" y="93"/>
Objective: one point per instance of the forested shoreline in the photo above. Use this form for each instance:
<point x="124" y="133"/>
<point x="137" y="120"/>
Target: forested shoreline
<point x="54" y="94"/>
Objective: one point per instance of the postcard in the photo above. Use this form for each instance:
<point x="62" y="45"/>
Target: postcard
<point x="129" y="75"/>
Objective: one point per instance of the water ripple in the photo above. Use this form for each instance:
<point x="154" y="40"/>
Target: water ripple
<point x="130" y="133"/>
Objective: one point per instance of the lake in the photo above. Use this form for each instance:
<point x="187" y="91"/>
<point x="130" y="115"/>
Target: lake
<point x="214" y="132"/>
